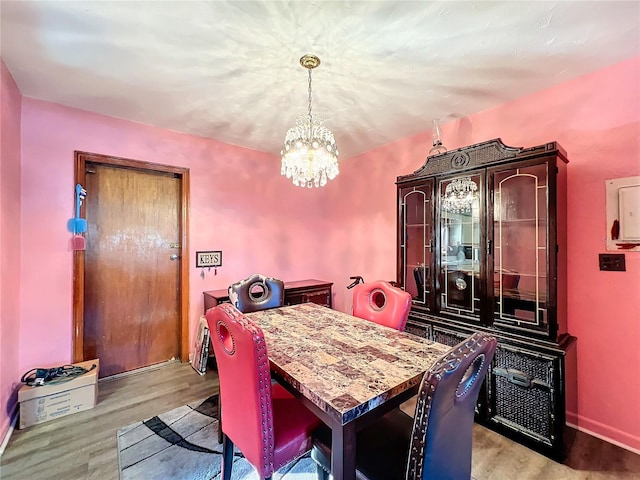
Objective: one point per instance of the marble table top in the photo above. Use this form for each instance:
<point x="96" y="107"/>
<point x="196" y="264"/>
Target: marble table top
<point x="344" y="365"/>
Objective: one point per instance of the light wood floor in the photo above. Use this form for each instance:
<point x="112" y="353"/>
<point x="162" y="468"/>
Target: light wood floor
<point x="83" y="445"/>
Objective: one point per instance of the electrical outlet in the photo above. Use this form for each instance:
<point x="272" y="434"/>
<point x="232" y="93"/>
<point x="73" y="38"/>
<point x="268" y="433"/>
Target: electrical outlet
<point x="612" y="262"/>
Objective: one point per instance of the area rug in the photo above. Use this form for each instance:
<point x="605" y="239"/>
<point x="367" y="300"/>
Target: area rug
<point x="182" y="444"/>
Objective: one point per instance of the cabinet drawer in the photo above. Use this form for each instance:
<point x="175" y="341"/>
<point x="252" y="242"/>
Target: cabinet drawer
<point x="522" y="393"/>
<point x="321" y="297"/>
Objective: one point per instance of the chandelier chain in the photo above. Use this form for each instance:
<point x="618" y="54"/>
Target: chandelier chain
<point x="309" y="93"/>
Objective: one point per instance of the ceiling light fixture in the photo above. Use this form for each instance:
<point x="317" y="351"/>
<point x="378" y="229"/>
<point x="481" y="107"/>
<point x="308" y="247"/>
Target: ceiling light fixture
<point x="310" y="154"/>
<point x="460" y="195"/>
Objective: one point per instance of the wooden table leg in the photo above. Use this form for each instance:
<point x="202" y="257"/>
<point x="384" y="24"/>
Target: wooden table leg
<point x="343" y="452"/>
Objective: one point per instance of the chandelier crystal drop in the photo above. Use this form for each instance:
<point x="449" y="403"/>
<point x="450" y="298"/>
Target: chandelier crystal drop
<point x="310" y="154"/>
<point x="460" y="195"/>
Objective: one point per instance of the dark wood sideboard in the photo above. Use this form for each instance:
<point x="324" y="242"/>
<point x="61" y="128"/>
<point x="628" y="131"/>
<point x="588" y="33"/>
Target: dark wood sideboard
<point x="300" y="291"/>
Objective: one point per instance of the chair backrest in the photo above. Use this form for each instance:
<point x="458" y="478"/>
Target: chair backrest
<point x="382" y="303"/>
<point x="257" y="292"/>
<point x="443" y="424"/>
<point x="245" y="384"/>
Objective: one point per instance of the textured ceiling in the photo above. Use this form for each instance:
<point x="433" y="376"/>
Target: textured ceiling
<point x="229" y="69"/>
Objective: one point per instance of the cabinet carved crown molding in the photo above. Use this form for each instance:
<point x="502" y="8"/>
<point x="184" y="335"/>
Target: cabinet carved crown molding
<point x="477" y="155"/>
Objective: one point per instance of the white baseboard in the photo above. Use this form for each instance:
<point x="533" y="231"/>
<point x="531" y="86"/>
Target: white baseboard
<point x="12" y="426"/>
<point x="606" y="439"/>
<point x="138" y="370"/>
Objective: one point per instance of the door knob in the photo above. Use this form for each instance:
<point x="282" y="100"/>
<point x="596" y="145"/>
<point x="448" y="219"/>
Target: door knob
<point x="174" y="256"/>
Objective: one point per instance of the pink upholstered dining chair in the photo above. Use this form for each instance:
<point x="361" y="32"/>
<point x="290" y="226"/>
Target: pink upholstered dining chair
<point x="267" y="424"/>
<point x="437" y="442"/>
<point x="382" y="303"/>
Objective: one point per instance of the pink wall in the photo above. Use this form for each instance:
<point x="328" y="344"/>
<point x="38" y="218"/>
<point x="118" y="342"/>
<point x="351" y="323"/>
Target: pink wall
<point x="10" y="100"/>
<point x="596" y="119"/>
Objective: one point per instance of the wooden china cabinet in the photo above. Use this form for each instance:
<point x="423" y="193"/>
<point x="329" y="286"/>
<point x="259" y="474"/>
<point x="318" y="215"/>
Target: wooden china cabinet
<point x="482" y="246"/>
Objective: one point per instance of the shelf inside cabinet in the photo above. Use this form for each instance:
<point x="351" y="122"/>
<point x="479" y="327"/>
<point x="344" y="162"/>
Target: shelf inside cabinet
<point x="516" y="221"/>
<point x="516" y="294"/>
<point x="462" y="267"/>
<point x="519" y="274"/>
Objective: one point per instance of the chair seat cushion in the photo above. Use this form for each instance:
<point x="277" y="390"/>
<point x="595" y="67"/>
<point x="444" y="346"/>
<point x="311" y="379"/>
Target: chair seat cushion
<point x="382" y="449"/>
<point x="293" y="425"/>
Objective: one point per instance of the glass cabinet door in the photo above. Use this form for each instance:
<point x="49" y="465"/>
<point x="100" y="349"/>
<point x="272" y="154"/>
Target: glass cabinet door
<point x="460" y="255"/>
<point x="520" y="206"/>
<point x="416" y="242"/>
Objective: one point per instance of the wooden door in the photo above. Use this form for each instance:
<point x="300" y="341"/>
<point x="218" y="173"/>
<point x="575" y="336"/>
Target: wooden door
<point x="132" y="295"/>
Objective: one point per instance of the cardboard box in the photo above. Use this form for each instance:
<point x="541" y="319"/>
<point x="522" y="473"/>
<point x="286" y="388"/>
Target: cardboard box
<point x="47" y="402"/>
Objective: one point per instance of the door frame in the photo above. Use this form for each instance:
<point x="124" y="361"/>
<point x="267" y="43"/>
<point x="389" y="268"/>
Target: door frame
<point x="81" y="159"/>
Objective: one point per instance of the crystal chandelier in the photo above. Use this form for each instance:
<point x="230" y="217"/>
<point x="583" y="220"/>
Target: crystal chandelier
<point x="460" y="195"/>
<point x="309" y="155"/>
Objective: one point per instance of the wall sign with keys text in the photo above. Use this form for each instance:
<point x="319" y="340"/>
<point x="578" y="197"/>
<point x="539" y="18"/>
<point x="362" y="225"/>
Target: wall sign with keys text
<point x="209" y="259"/>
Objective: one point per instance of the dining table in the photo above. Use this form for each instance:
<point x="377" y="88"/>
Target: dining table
<point x="347" y="370"/>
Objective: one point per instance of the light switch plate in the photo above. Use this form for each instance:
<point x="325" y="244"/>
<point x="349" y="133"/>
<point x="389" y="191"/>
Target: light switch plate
<point x="210" y="258"/>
